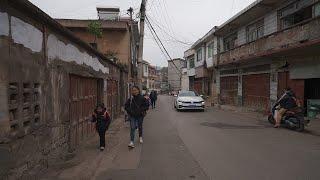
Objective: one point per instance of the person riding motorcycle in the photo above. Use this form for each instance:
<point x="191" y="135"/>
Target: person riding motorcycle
<point x="286" y="102"/>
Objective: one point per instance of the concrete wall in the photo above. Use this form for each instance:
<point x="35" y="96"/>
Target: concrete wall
<point x="35" y="69"/>
<point x="184" y="80"/>
<point x="298" y="36"/>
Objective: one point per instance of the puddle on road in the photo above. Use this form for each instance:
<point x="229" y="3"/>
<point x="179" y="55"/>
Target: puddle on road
<point x="230" y="126"/>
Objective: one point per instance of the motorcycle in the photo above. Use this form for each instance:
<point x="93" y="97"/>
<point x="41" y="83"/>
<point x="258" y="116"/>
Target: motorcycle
<point x="293" y="119"/>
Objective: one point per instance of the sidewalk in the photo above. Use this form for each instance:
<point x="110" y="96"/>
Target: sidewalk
<point x="89" y="161"/>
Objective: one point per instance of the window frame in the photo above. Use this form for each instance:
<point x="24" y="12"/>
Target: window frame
<point x="255" y="31"/>
<point x="228" y="39"/>
<point x="193" y="63"/>
<point x="316" y="10"/>
<point x="199" y="54"/>
<point x="146" y="69"/>
<point x="210" y="48"/>
<point x="287" y="19"/>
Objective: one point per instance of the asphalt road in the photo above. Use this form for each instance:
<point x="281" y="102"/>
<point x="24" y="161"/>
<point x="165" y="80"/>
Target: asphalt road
<point x="219" y="145"/>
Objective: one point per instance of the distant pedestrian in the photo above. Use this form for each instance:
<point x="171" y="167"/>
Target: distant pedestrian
<point x="153" y="98"/>
<point x="102" y="119"/>
<point x="136" y="107"/>
<point x="147" y="97"/>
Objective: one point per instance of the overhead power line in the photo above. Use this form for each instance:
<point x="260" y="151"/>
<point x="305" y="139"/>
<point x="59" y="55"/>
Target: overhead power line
<point x="159" y="45"/>
<point x="159" y="40"/>
<point x="171" y="36"/>
<point x="162" y="11"/>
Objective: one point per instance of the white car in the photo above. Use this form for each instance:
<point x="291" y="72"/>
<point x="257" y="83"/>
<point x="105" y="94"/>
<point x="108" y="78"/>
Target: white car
<point x="189" y="100"/>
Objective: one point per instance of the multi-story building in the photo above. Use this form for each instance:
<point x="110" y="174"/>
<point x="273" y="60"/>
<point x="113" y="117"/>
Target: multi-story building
<point x="157" y="82"/>
<point x="152" y="77"/>
<point x="164" y="86"/>
<point x="145" y="75"/>
<point x="201" y="59"/>
<point x="175" y="73"/>
<point x="119" y="41"/>
<point x="189" y="57"/>
<point x="270" y="45"/>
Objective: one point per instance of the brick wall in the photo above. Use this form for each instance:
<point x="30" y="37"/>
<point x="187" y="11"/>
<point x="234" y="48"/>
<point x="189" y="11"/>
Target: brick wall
<point x="112" y="40"/>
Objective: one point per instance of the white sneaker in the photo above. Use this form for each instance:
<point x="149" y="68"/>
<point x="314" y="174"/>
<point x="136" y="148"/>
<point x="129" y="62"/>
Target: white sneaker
<point x="101" y="148"/>
<point x="131" y="145"/>
<point x="141" y="140"/>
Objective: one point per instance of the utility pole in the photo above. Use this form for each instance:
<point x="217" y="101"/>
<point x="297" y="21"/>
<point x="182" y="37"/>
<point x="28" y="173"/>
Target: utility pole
<point x="132" y="45"/>
<point x="140" y="51"/>
<point x="132" y="65"/>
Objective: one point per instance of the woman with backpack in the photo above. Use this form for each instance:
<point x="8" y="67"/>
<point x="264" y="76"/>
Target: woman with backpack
<point x="102" y="119"/>
<point x="136" y="107"/>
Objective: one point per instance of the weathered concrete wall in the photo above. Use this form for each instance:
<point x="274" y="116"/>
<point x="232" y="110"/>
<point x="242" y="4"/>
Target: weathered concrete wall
<point x="185" y="80"/>
<point x="69" y="53"/>
<point x="4" y="24"/>
<point x="280" y="41"/>
<point x="305" y="67"/>
<point x="26" y="34"/>
<point x="35" y="67"/>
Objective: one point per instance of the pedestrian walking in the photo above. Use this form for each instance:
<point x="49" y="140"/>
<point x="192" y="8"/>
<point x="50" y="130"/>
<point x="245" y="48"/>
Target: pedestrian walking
<point x="153" y="98"/>
<point x="136" y="107"/>
<point x="102" y="119"/>
<point x="147" y="97"/>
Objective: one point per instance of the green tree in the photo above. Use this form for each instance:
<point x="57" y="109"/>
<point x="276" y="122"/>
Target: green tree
<point x="95" y="29"/>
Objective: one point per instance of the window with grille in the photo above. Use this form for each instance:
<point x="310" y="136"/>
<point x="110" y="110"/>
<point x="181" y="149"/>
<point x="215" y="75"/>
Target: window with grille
<point x="295" y="13"/>
<point x="255" y="31"/>
<point x="229" y="42"/>
<point x="191" y="63"/>
<point x="210" y="50"/>
<point x="199" y="54"/>
<point x="317" y="10"/>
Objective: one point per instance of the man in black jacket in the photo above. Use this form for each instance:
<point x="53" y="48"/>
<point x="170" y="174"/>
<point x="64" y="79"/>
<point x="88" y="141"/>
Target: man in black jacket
<point x="136" y="107"/>
<point x="153" y="98"/>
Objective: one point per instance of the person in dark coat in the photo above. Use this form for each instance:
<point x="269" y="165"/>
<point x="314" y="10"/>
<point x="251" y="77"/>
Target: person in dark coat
<point x="136" y="107"/>
<point x="287" y="101"/>
<point x="102" y="119"/>
<point x="153" y="98"/>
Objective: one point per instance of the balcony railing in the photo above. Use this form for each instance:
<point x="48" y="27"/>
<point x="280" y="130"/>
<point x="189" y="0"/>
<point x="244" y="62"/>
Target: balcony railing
<point x="298" y="36"/>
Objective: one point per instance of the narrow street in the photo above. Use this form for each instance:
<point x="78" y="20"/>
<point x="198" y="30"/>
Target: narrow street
<point x="215" y="144"/>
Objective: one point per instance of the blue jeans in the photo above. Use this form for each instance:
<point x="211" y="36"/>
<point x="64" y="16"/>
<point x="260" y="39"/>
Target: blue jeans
<point x="135" y="122"/>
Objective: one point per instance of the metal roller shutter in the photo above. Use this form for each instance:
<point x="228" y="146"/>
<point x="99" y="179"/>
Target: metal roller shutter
<point x="256" y="91"/>
<point x="229" y="90"/>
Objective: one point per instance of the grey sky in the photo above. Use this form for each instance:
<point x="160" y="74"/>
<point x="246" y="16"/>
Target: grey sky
<point x="185" y="20"/>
